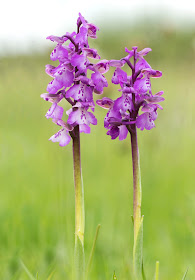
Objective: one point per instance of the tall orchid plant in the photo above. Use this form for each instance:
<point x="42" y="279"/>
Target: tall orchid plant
<point x="73" y="83"/>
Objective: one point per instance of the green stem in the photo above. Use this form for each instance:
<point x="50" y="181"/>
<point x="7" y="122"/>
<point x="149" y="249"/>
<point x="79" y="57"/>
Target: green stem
<point x="79" y="208"/>
<point x="137" y="198"/>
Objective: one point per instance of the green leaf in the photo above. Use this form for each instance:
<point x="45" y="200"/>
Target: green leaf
<point x="27" y="271"/>
<point x="92" y="251"/>
<point x="143" y="273"/>
<point x="157" y="270"/>
<point x="51" y="275"/>
<point x="138" y="253"/>
<point x="79" y="260"/>
<point x="114" y="276"/>
<point x="185" y="274"/>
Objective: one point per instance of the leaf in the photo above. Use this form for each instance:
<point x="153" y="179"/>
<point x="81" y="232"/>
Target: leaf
<point x="92" y="251"/>
<point x="79" y="260"/>
<point x="114" y="276"/>
<point x="157" y="270"/>
<point x="132" y="218"/>
<point x="27" y="271"/>
<point x="51" y="275"/>
<point x="185" y="274"/>
<point x="138" y="253"/>
<point x="143" y="273"/>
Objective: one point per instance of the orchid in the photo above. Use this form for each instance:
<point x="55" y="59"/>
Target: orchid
<point x="72" y="82"/>
<point x="135" y="108"/>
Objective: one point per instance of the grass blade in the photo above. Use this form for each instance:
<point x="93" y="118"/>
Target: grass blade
<point x="92" y="251"/>
<point x="27" y="271"/>
<point x="185" y="274"/>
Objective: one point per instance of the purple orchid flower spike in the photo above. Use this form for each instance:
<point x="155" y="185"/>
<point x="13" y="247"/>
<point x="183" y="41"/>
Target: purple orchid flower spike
<point x="71" y="81"/>
<point x="135" y="108"/>
<point x="136" y="92"/>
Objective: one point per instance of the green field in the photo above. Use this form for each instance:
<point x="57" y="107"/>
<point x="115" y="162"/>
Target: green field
<point x="37" y="191"/>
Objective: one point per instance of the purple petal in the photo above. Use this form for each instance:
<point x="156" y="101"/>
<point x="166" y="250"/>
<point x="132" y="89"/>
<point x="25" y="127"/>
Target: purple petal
<point x="116" y="63"/>
<point x="59" y="40"/>
<point x="105" y="102"/>
<point x="102" y="66"/>
<point x="119" y="76"/>
<point x="84" y="128"/>
<point x="144" y="52"/>
<point x="62" y="136"/>
<point x="59" y="53"/>
<point x="55" y="112"/>
<point x="53" y="98"/>
<point x="146" y="120"/>
<point x="64" y="77"/>
<point x="92" y="53"/>
<point x="123" y="131"/>
<point x="79" y="61"/>
<point x="54" y="86"/>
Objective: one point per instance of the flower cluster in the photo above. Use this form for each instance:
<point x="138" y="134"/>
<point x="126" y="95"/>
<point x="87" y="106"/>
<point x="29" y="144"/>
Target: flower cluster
<point x="72" y="82"/>
<point x="136" y="95"/>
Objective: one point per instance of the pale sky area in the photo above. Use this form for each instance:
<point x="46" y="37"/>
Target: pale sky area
<point x="25" y="24"/>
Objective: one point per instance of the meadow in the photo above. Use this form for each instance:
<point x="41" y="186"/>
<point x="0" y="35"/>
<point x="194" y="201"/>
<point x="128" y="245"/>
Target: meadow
<point x="37" y="189"/>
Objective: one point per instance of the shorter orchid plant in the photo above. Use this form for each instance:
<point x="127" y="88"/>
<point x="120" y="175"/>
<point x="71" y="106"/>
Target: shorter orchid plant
<point x="135" y="108"/>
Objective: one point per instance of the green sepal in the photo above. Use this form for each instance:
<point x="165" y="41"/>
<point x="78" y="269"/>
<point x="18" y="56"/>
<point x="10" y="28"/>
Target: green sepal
<point x="79" y="260"/>
<point x="185" y="274"/>
<point x="138" y="253"/>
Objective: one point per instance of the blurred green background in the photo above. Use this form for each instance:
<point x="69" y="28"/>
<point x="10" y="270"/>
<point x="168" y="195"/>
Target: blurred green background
<point x="37" y="191"/>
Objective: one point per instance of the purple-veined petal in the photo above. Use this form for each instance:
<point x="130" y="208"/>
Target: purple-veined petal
<point x="123" y="131"/>
<point x="80" y="92"/>
<point x="152" y="73"/>
<point x="123" y="104"/>
<point x="59" y="40"/>
<point x="55" y="112"/>
<point x="99" y="82"/>
<point x="62" y="136"/>
<point x="79" y="61"/>
<point x="119" y="76"/>
<point x="53" y="98"/>
<point x="102" y="66"/>
<point x="116" y="63"/>
<point x="64" y="77"/>
<point x="54" y="86"/>
<point x="105" y="102"/>
<point x="92" y="53"/>
<point x="144" y="52"/>
<point x="59" y="53"/>
<point x="84" y="128"/>
<point x="146" y="120"/>
<point x="113" y="132"/>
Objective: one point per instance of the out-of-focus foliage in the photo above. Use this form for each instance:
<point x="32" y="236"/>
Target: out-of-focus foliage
<point x="37" y="191"/>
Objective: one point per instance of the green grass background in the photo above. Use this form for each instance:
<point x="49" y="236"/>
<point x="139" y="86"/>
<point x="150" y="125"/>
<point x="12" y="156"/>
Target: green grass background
<point x="36" y="176"/>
